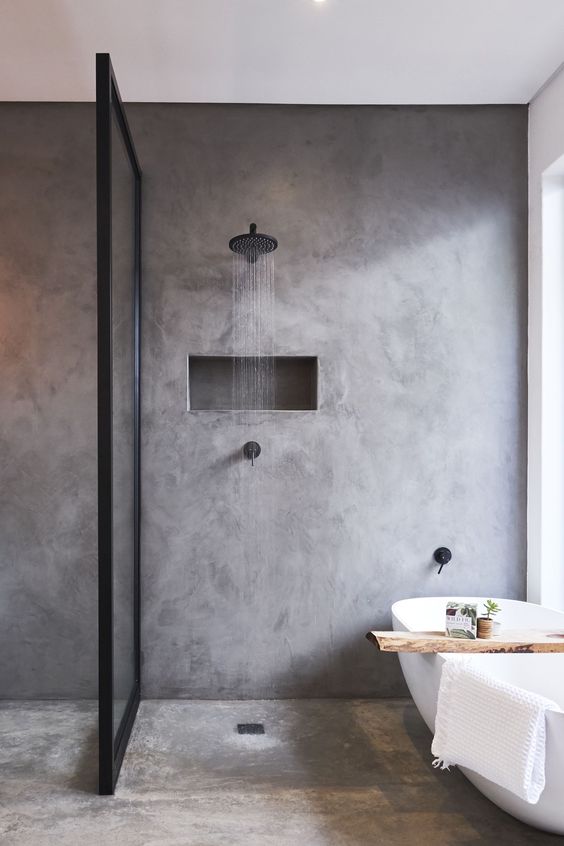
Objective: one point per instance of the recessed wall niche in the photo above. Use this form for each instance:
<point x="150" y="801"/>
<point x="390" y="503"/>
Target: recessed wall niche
<point x="210" y="381"/>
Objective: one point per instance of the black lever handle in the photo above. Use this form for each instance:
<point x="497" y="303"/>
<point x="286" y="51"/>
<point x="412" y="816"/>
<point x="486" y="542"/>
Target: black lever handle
<point x="442" y="556"/>
<point x="251" y="450"/>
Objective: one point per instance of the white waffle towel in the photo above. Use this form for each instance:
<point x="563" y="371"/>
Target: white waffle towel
<point x="491" y="727"/>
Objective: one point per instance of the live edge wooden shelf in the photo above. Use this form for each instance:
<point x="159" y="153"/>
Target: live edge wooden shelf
<point x="514" y="640"/>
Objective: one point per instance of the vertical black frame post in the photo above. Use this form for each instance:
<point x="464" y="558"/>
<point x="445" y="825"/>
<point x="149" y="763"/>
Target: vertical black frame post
<point x="112" y="745"/>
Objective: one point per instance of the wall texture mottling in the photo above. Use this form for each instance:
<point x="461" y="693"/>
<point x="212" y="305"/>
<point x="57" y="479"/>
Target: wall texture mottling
<point x="402" y="265"/>
<point x="48" y="558"/>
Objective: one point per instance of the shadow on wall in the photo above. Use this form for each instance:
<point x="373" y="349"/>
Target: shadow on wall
<point x="335" y="673"/>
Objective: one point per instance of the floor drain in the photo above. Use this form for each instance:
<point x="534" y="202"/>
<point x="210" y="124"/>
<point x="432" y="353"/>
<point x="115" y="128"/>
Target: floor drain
<point x="250" y="728"/>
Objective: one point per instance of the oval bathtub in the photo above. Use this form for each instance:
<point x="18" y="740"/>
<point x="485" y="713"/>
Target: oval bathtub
<point x="539" y="673"/>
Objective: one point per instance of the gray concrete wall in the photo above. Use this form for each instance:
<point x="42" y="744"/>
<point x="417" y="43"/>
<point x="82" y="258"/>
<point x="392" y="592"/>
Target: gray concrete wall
<point x="48" y="557"/>
<point x="402" y="265"/>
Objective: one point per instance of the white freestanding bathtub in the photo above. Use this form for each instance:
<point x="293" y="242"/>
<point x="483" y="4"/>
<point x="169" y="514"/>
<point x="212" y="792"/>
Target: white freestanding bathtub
<point x="541" y="673"/>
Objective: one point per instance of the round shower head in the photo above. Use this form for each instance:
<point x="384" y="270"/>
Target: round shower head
<point x="253" y="244"/>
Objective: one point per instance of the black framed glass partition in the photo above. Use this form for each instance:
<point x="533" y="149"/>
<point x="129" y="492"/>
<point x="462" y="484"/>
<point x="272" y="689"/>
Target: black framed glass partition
<point x="118" y="178"/>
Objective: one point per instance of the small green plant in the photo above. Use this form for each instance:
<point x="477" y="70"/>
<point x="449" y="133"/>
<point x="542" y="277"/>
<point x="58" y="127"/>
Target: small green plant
<point x="492" y="608"/>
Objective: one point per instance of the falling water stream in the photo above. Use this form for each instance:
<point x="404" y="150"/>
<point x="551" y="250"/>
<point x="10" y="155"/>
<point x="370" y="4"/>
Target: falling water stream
<point x="254" y="394"/>
<point x="253" y="333"/>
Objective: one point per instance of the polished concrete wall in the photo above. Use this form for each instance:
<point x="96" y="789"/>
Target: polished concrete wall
<point x="48" y="556"/>
<point x="402" y="265"/>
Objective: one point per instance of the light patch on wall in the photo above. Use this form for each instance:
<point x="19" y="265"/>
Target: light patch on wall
<point x="551" y="576"/>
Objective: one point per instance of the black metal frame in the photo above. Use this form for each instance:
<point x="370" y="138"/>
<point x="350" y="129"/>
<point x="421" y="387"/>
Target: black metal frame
<point x="108" y="103"/>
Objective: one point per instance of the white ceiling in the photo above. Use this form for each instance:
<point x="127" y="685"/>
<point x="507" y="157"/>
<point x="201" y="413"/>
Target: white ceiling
<point x="283" y="51"/>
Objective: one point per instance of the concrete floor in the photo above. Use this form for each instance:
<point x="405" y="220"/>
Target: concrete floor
<point x="326" y="773"/>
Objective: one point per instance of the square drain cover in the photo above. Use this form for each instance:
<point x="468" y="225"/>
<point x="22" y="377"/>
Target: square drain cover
<point x="250" y="728"/>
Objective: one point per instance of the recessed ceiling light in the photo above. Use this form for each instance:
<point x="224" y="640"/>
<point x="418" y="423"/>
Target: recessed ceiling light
<point x="319" y="1"/>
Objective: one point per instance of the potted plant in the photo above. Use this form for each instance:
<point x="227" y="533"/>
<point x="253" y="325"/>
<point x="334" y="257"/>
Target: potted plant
<point x="485" y="624"/>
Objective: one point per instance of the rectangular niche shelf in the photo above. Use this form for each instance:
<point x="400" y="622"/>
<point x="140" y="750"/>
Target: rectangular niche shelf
<point x="210" y="383"/>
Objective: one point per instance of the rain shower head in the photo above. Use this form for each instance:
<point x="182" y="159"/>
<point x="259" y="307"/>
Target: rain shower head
<point x="253" y="244"/>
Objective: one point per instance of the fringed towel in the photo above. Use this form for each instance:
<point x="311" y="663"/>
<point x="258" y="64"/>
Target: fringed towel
<point x="491" y="727"/>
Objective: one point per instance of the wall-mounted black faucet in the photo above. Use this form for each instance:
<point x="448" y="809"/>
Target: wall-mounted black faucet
<point x="251" y="450"/>
<point x="442" y="556"/>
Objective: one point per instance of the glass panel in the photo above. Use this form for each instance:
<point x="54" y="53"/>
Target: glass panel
<point x="123" y="421"/>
